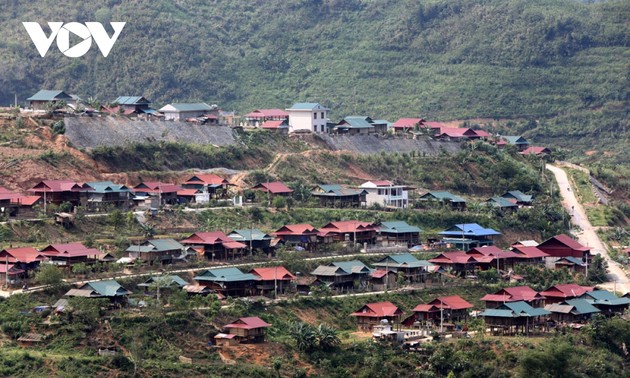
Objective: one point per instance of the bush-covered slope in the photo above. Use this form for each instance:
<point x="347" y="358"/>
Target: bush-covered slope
<point x="439" y="58"/>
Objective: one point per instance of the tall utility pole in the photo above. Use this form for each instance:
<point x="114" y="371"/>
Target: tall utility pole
<point x="441" y="317"/>
<point x="275" y="283"/>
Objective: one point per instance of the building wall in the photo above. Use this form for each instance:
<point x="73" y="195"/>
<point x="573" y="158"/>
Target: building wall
<point x="181" y="116"/>
<point x="305" y="120"/>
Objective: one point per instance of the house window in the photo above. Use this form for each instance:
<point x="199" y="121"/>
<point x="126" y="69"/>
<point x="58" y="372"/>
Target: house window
<point x="380" y="192"/>
<point x="323" y="127"/>
<point x="322" y="115"/>
<point x="314" y="115"/>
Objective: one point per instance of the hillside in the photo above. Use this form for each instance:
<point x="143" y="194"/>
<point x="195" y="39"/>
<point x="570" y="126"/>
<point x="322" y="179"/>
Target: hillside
<point x="561" y="62"/>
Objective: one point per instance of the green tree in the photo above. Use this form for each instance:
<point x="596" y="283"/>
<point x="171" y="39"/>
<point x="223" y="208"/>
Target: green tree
<point x="304" y="335"/>
<point x="49" y="274"/>
<point x="279" y="202"/>
<point x="327" y="337"/>
<point x="597" y="270"/>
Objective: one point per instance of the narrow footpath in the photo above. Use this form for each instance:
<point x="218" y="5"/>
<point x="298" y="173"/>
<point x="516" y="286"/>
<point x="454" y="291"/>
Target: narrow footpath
<point x="617" y="278"/>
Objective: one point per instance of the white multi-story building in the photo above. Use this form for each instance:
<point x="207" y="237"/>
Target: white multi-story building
<point x="308" y="116"/>
<point x="385" y="193"/>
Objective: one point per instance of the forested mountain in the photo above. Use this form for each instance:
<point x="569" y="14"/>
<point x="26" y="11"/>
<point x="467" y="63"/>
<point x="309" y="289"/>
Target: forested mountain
<point x="563" y="61"/>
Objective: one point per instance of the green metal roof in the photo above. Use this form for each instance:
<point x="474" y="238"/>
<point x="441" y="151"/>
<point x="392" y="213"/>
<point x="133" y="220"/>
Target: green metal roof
<point x="500" y="202"/>
<point x="49" y="95"/>
<point x="356" y="122"/>
<point x="248" y="234"/>
<point x="402" y="260"/>
<point x="515" y="139"/>
<point x="171" y="279"/>
<point x="518" y="195"/>
<point x="581" y="307"/>
<point x="336" y="190"/>
<point x="132" y="100"/>
<point x="108" y="288"/>
<point x="398" y="227"/>
<point x="604" y="297"/>
<point x="496" y="313"/>
<point x="514" y="310"/>
<point x="354" y="266"/>
<point x="443" y="196"/>
<point x="307" y="106"/>
<point x="225" y="275"/>
<point x="107" y="187"/>
<point x="165" y="244"/>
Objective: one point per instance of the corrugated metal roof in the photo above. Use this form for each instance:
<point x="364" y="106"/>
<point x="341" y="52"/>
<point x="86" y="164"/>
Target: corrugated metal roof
<point x="355" y="122"/>
<point x="107" y="288"/>
<point x="307" y="106"/>
<point x="397" y="227"/>
<point x="132" y="100"/>
<point x="581" y="307"/>
<point x="443" y="196"/>
<point x="187" y="107"/>
<point x="469" y="229"/>
<point x="225" y="275"/>
<point x="248" y="234"/>
<point x="49" y="95"/>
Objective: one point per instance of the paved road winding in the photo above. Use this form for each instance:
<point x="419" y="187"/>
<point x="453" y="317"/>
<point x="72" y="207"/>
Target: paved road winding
<point x="618" y="279"/>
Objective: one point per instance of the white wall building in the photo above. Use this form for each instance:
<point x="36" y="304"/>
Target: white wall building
<point x="385" y="193"/>
<point x="180" y="112"/>
<point x="307" y="116"/>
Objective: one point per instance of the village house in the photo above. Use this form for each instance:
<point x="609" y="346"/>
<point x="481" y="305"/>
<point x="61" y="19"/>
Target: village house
<point x="573" y="264"/>
<point x="11" y="274"/>
<point x="104" y="193"/>
<point x="398" y="233"/>
<point x="501" y="260"/>
<point x="129" y="105"/>
<point x="156" y="251"/>
<point x="307" y="116"/>
<point x="529" y="254"/>
<point x="514" y="294"/>
<point x="44" y="98"/>
<point x="278" y="126"/>
<point x="385" y="193"/>
<point x="561" y="292"/>
<point x="59" y="191"/>
<point x="571" y="311"/>
<point x="456" y="202"/>
<point x="208" y="186"/>
<point x="607" y="302"/>
<point x="442" y="311"/>
<point x="350" y="230"/>
<point x="519" y="197"/>
<point x="184" y="111"/>
<point x="355" y="125"/>
<point x="158" y="192"/>
<point x="371" y="315"/>
<point x="258" y="117"/>
<point x="230" y="282"/>
<point x="513" y="317"/>
<point x="303" y="235"/>
<point x="164" y="282"/>
<point x="407" y="124"/>
<point x="110" y="289"/>
<point x="215" y="245"/>
<point x="503" y="204"/>
<point x="513" y="140"/>
<point x="461" y="264"/>
<point x="383" y="280"/>
<point x="272" y="280"/>
<point x="343" y="276"/>
<point x="247" y="330"/>
<point x="334" y="195"/>
<point x="536" y="151"/>
<point x="13" y="204"/>
<point x="413" y="270"/>
<point x="564" y="246"/>
<point x="253" y="238"/>
<point x="69" y="254"/>
<point x="273" y="189"/>
<point x="457" y="134"/>
<point x="468" y="235"/>
<point x="22" y="258"/>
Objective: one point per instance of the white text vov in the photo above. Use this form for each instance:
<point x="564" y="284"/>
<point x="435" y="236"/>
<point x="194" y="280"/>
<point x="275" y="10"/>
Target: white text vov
<point x="87" y="32"/>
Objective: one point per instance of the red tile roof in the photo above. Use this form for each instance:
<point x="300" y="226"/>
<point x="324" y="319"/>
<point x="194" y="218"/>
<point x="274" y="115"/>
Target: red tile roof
<point x="528" y="252"/>
<point x="56" y="186"/>
<point x="201" y="238"/>
<point x="276" y="187"/>
<point x="535" y="150"/>
<point x="347" y="226"/>
<point x="273" y="273"/>
<point x="434" y="125"/>
<point x="69" y="250"/>
<point x="453" y="258"/>
<point x="382" y="182"/>
<point x="272" y="124"/>
<point x="206" y="179"/>
<point x="296" y="229"/>
<point x="378" y="310"/>
<point x="566" y="291"/>
<point x="21" y="254"/>
<point x="453" y="302"/>
<point x="457" y="132"/>
<point x="267" y="113"/>
<point x="187" y="192"/>
<point x="513" y="294"/>
<point x="233" y="245"/>
<point x="156" y="187"/>
<point x="25" y="200"/>
<point x="567" y="241"/>
<point x="248" y="323"/>
<point x="406" y="123"/>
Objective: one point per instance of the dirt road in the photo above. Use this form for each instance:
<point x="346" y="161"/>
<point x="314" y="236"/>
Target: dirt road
<point x="618" y="279"/>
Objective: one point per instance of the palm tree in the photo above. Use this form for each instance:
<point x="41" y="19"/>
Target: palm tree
<point x="304" y="335"/>
<point x="327" y="337"/>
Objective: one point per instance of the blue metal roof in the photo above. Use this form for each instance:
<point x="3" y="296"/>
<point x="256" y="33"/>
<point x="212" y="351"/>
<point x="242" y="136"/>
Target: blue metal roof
<point x="107" y="187"/>
<point x="107" y="288"/>
<point x="469" y="229"/>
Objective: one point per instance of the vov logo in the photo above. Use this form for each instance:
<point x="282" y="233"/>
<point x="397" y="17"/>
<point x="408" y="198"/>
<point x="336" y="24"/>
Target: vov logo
<point x="87" y="32"/>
